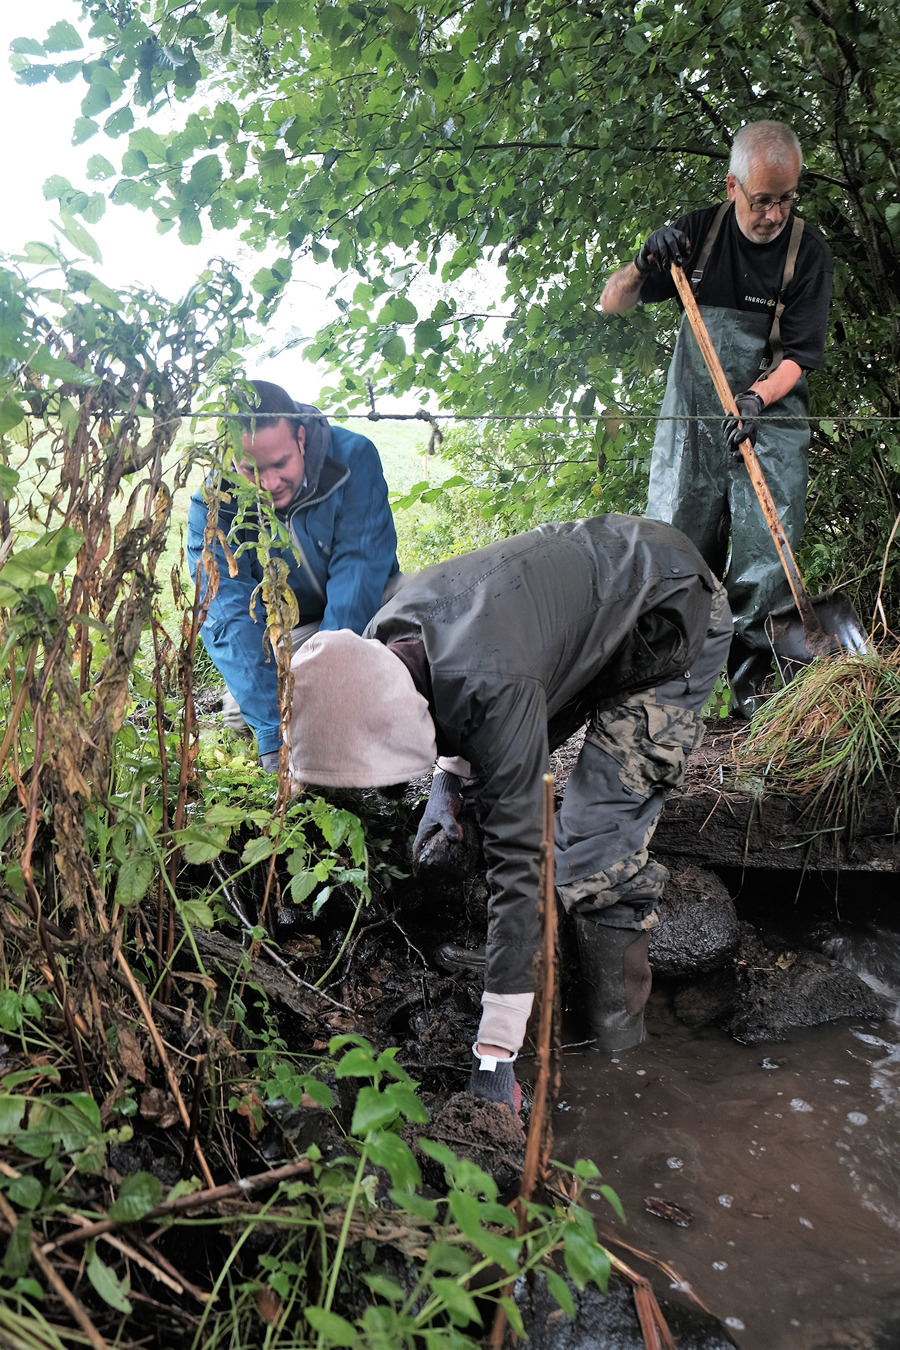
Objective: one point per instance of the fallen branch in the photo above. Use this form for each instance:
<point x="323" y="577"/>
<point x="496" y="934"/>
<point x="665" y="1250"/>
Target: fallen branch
<point x="183" y="1203"/>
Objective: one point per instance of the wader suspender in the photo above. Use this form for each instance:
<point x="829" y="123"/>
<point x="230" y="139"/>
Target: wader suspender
<point x="768" y="364"/>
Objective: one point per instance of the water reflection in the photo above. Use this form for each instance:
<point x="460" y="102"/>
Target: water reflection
<point x="787" y="1157"/>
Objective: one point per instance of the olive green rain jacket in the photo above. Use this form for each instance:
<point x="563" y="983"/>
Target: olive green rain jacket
<point x="544" y="626"/>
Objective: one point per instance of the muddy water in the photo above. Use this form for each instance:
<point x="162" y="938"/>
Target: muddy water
<point x="788" y="1157"/>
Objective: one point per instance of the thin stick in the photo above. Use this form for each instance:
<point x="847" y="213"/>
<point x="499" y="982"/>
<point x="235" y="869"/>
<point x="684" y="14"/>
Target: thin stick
<point x="760" y="486"/>
<point x="540" y="1133"/>
<point x="244" y="1186"/>
<point x="59" y="1288"/>
<point x="654" y="1327"/>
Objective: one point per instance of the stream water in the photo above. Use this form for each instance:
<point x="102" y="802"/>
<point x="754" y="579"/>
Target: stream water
<point x="787" y="1156"/>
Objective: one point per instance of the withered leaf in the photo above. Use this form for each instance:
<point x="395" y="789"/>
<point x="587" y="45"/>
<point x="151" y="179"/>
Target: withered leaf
<point x="130" y="1055"/>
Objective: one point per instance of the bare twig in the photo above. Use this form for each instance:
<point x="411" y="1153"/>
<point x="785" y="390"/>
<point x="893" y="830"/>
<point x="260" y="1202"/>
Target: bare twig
<point x="230" y="1190"/>
<point x="39" y="1256"/>
<point x="540" y="1134"/>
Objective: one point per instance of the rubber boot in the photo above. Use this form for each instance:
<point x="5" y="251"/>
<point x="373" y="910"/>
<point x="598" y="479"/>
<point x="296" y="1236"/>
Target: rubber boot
<point x="748" y="667"/>
<point x="461" y="960"/>
<point x="616" y="974"/>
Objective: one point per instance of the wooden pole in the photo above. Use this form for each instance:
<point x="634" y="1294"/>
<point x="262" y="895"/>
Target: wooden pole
<point x="760" y="486"/>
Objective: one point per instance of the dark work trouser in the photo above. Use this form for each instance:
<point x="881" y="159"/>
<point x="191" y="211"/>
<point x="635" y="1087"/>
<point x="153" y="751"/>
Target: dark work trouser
<point x="633" y="754"/>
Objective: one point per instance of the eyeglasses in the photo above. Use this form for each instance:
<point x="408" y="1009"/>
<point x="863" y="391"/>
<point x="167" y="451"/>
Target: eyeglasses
<point x="761" y="206"/>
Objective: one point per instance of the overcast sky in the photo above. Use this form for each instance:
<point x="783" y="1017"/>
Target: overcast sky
<point x="37" y="142"/>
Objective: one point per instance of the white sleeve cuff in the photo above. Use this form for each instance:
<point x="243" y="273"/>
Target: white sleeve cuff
<point x="453" y="764"/>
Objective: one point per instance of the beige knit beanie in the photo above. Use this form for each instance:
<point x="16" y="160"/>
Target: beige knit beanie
<point x="357" y="719"/>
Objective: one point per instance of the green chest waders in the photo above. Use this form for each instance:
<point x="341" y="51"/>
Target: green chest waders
<point x="696" y="484"/>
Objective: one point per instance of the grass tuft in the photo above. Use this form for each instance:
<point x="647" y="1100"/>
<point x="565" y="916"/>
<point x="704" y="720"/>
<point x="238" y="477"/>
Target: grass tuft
<point x="832" y="737"/>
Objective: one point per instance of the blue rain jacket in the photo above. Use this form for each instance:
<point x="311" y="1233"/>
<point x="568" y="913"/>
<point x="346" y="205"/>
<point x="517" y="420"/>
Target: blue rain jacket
<point x="346" y="551"/>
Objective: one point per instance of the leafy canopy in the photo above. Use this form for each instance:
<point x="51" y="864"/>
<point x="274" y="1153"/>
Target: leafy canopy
<point x="409" y="145"/>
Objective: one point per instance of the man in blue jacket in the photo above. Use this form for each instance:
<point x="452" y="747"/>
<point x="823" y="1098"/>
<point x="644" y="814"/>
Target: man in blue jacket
<point x="327" y="487"/>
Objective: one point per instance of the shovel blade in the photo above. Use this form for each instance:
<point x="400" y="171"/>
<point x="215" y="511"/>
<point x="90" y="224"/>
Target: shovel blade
<point x="837" y="630"/>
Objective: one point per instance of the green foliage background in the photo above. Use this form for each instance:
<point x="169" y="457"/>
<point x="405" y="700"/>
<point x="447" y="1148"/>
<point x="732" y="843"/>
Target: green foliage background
<point x="407" y="145"/>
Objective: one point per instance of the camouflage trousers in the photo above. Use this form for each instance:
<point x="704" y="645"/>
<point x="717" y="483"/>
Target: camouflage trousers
<point x="633" y="754"/>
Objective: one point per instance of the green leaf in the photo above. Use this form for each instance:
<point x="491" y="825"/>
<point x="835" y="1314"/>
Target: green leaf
<point x="415" y="1204"/>
<point x="394" y="350"/>
<point x="257" y="850"/>
<point x="63" y="37"/>
<point x="83" y="129"/>
<point x="43" y="363"/>
<point x="112" y="1290"/>
<point x="99" y="167"/>
<point x="96" y="100"/>
<point x="337" y="1329"/>
<point x="398" y="309"/>
<point x="190" y="229"/>
<point x="458" y="1301"/>
<point x="17" y="1256"/>
<point x="95" y="209"/>
<point x="373" y="1110"/>
<point x="25" y="1191"/>
<point x="134" y="878"/>
<point x="200" y="845"/>
<point x="585" y="1259"/>
<point x="206" y="175"/>
<point x="77" y="235"/>
<point x="394" y="1154"/>
<point x="560" y="1291"/>
<point x="55" y="187"/>
<point x="301" y="886"/>
<point x="11" y="414"/>
<point x="220" y="814"/>
<point x="52" y="553"/>
<point x="402" y="1096"/>
<point x="444" y="1256"/>
<point x="358" y="1062"/>
<point x="138" y="1194"/>
<point x="103" y="295"/>
<point x="427" y="335"/>
<point x="610" y="1196"/>
<point x="197" y="914"/>
<point x="385" y="1288"/>
<point x="122" y="120"/>
<point x="149" y="143"/>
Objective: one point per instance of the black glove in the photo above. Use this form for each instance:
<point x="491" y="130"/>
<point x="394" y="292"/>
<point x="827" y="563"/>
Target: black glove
<point x="662" y="249"/>
<point x="439" y="834"/>
<point x="269" y="762"/>
<point x="750" y="407"/>
<point x="495" y="1081"/>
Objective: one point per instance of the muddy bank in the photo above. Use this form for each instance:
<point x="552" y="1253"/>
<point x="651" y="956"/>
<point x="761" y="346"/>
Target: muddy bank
<point x="713" y="820"/>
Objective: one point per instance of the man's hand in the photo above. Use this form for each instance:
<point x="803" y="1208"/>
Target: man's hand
<point x="744" y="427"/>
<point x="664" y="247"/>
<point x="440" y="833"/>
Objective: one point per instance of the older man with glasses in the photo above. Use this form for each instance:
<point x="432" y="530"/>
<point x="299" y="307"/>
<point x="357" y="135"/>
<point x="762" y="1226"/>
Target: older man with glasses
<point x="762" y="278"/>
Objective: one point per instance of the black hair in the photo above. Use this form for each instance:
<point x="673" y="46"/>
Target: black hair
<point x="272" y="404"/>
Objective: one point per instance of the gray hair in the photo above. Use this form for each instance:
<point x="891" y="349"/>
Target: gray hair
<point x="773" y="140"/>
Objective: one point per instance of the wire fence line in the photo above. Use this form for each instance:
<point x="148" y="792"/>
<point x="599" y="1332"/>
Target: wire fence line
<point x="579" y="419"/>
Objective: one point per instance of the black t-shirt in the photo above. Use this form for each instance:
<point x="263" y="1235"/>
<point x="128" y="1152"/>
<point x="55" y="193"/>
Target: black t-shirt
<point x="744" y="275"/>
